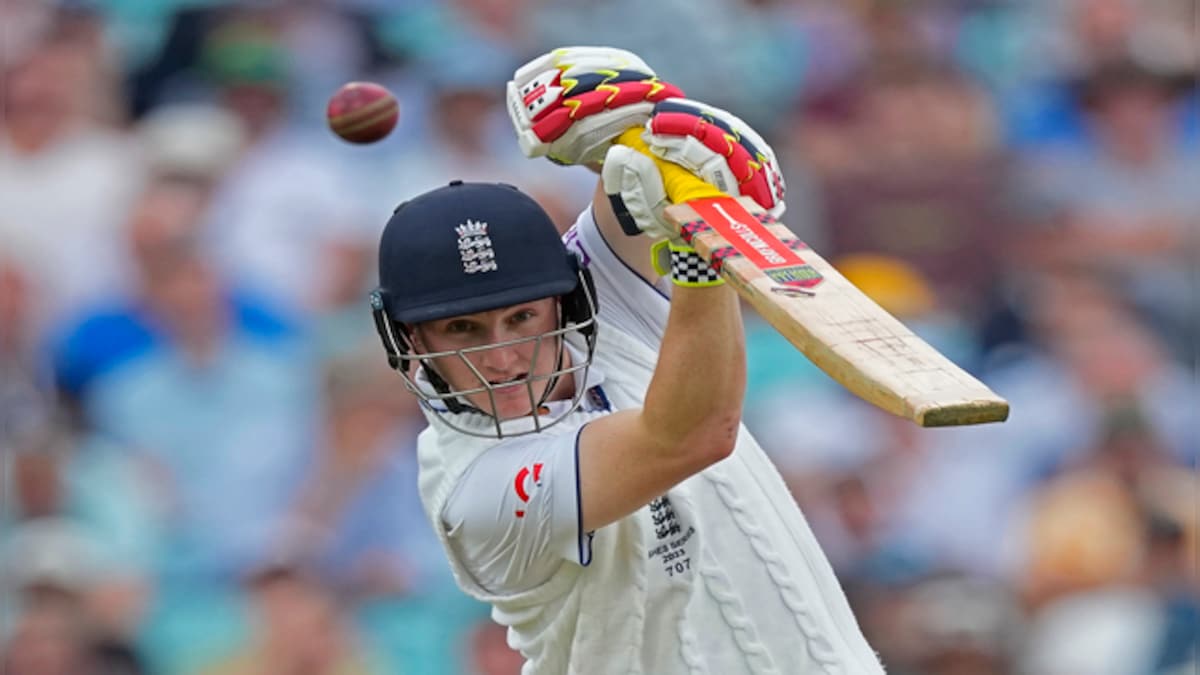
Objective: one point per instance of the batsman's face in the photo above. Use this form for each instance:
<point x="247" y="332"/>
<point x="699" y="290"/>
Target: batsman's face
<point x="501" y="348"/>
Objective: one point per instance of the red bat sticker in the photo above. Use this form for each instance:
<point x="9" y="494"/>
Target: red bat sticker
<point x="753" y="241"/>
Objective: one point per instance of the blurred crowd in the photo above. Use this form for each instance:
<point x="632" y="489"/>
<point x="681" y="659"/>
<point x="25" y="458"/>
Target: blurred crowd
<point x="206" y="467"/>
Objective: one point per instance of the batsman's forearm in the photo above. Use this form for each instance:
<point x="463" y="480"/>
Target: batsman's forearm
<point x="694" y="403"/>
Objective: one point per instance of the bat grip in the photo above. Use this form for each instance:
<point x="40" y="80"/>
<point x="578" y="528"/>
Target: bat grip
<point x="681" y="185"/>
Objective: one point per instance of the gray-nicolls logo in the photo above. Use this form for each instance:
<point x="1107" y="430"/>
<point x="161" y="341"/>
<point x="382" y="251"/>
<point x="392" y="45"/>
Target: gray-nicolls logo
<point x="475" y="247"/>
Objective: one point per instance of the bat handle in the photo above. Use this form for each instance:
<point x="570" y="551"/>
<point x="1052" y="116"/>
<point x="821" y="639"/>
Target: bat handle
<point x="681" y="185"/>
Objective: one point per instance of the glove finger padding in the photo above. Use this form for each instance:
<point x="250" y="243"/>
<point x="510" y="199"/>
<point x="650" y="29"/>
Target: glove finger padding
<point x="569" y="104"/>
<point x="718" y="147"/>
<point x="635" y="189"/>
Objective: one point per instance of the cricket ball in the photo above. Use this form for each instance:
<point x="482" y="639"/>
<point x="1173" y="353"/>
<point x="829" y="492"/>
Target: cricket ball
<point x="362" y="112"/>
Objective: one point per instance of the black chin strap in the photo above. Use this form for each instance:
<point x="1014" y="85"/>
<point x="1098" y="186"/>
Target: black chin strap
<point x="398" y="345"/>
<point x="558" y="360"/>
<point x="441" y="387"/>
<point x="578" y="306"/>
<point x="439" y="384"/>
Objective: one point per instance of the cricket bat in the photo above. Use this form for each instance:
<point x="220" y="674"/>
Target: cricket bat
<point x="835" y="325"/>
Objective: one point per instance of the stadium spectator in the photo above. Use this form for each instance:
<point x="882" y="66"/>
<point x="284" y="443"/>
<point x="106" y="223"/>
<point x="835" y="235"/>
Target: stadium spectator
<point x="81" y="526"/>
<point x="298" y="627"/>
<point x="1124" y="204"/>
<point x="214" y="405"/>
<point x="163" y="230"/>
<point x="908" y="164"/>
<point x="283" y="221"/>
<point x="54" y="142"/>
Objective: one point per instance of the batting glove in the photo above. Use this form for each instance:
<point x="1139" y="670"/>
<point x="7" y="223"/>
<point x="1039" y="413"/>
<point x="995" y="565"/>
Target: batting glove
<point x="635" y="189"/>
<point x="719" y="148"/>
<point x="713" y="144"/>
<point x="568" y="105"/>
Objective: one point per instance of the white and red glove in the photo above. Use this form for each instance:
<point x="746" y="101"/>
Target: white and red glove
<point x="713" y="144"/>
<point x="569" y="105"/>
<point x="718" y="147"/>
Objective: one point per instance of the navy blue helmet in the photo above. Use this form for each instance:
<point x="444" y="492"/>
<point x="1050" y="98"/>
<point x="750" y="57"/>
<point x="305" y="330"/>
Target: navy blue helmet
<point x="470" y="247"/>
<point x="466" y="248"/>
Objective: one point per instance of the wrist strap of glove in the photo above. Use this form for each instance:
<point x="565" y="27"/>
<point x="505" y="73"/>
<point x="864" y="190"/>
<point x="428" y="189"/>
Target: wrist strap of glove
<point x="683" y="265"/>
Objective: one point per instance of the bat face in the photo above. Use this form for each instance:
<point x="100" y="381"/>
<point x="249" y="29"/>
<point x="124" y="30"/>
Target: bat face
<point x="827" y="318"/>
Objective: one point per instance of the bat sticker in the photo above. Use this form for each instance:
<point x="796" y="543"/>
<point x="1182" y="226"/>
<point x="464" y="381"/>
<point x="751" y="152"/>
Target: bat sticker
<point x="776" y="258"/>
<point x="794" y="279"/>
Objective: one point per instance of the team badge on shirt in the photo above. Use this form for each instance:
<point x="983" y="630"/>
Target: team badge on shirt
<point x="475" y="247"/>
<point x="520" y="484"/>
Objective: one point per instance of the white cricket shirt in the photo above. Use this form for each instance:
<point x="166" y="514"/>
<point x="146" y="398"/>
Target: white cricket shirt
<point x="720" y="575"/>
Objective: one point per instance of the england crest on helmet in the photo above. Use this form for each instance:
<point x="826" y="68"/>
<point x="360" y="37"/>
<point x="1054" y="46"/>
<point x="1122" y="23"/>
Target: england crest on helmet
<point x="475" y="247"/>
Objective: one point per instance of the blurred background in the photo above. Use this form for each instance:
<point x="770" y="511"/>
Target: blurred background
<point x="207" y="467"/>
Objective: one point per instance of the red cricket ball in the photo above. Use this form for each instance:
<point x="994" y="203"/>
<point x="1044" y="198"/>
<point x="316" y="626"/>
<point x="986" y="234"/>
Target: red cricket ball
<point x="362" y="112"/>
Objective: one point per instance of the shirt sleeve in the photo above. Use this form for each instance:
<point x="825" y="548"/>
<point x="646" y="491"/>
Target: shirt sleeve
<point x="627" y="301"/>
<point x="515" y="516"/>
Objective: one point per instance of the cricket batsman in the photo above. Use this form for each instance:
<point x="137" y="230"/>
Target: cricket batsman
<point x="585" y="465"/>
